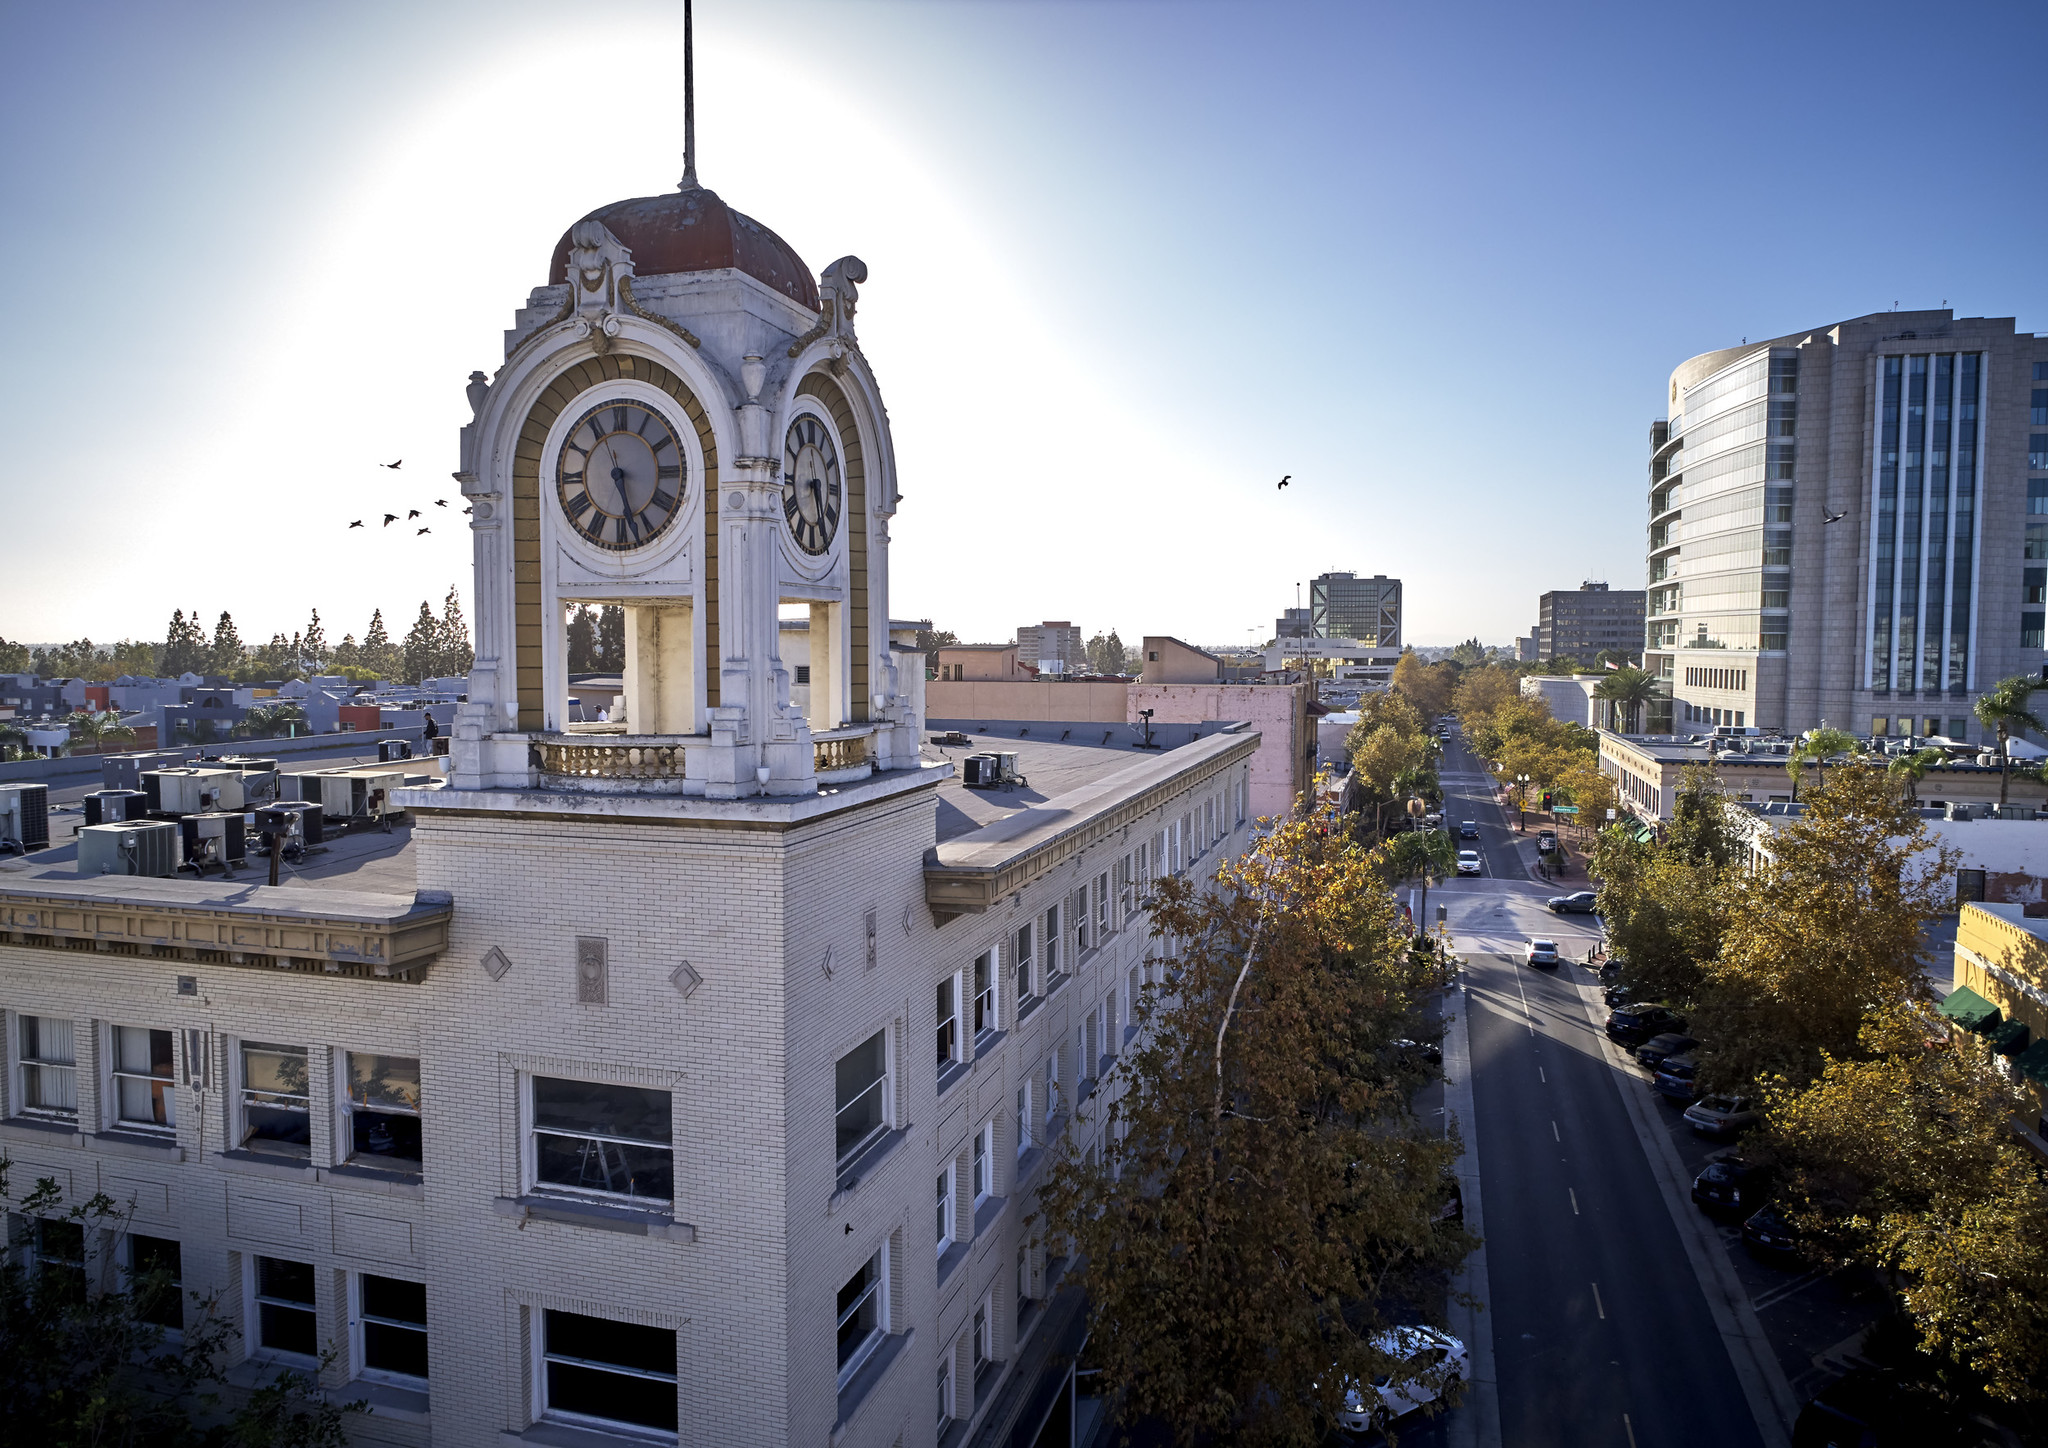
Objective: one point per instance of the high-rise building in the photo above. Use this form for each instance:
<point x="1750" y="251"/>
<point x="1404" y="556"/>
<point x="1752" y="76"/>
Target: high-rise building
<point x="1364" y="610"/>
<point x="1052" y="647"/>
<point x="1587" y="621"/>
<point x="1850" y="525"/>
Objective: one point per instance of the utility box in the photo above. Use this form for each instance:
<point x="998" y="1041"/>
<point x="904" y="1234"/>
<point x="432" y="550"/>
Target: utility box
<point x="393" y="749"/>
<point x="990" y="771"/>
<point x="212" y="840"/>
<point x="24" y="818"/>
<point x="352" y="796"/>
<point x="137" y="847"/>
<point x="192" y="790"/>
<point x="113" y="806"/>
<point x="124" y="771"/>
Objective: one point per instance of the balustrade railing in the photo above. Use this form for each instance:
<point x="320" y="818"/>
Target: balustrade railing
<point x="843" y="749"/>
<point x="620" y="758"/>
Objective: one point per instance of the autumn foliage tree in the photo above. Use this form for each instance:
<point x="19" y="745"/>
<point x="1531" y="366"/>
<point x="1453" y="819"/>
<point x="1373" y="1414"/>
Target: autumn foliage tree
<point x="1264" y="1188"/>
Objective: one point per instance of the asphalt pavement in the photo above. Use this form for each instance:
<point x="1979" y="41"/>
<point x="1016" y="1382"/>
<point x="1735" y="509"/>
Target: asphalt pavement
<point x="1602" y="1331"/>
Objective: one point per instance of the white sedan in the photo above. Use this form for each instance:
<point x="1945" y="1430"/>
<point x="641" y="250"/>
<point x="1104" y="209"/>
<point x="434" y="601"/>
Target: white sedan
<point x="1468" y="862"/>
<point x="1431" y="1361"/>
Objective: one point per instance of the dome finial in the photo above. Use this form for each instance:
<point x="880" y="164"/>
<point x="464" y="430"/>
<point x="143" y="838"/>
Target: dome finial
<point x="689" y="104"/>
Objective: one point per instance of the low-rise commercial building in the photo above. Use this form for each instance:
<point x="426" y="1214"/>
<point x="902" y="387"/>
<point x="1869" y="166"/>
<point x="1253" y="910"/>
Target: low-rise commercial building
<point x="2001" y="991"/>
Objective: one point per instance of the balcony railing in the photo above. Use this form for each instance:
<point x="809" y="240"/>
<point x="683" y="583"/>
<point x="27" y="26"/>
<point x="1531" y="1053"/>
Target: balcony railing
<point x="841" y="755"/>
<point x="622" y="764"/>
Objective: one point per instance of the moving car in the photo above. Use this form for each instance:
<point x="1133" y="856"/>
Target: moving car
<point x="1730" y="1185"/>
<point x="1722" y="1115"/>
<point x="1770" y="1236"/>
<point x="1675" y="1078"/>
<point x="1468" y="862"/>
<point x="1662" y="1047"/>
<point x="1468" y="830"/>
<point x="1435" y="1358"/>
<point x="1541" y="952"/>
<point x="1632" y="1024"/>
<point x="1582" y="902"/>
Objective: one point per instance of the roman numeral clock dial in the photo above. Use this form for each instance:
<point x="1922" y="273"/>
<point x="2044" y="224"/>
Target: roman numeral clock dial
<point x="810" y="485"/>
<point x="622" y="476"/>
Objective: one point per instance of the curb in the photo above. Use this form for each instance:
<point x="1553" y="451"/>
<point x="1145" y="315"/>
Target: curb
<point x="1474" y="1423"/>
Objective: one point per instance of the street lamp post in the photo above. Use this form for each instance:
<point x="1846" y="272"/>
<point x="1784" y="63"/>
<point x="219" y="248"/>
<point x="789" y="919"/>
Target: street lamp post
<point x="1521" y="795"/>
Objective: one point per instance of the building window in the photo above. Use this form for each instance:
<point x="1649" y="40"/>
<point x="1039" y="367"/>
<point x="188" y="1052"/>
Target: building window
<point x="862" y="1082"/>
<point x="1051" y="937"/>
<point x="143" y="1095"/>
<point x="1052" y="1086"/>
<point x="945" y="1391"/>
<point x="384" y="1108"/>
<point x="2039" y="416"/>
<point x="1023" y="1283"/>
<point x="1083" y="940"/>
<point x="285" y="1318"/>
<point x="391" y="1322"/>
<point x="1959" y="729"/>
<point x="155" y="1271"/>
<point x="984" y="1333"/>
<point x="2037" y="452"/>
<point x="276" y="1107"/>
<point x="49" y="1067"/>
<point x="949" y="1021"/>
<point x="946" y="1220"/>
<point x="1101" y="905"/>
<point x="1021" y="966"/>
<point x="1023" y="1118"/>
<point x="984" y="993"/>
<point x="2030" y="630"/>
<point x="597" y="1371"/>
<point x="984" y="1163"/>
<point x="592" y="1137"/>
<point x="862" y="1316"/>
<point x="56" y="1248"/>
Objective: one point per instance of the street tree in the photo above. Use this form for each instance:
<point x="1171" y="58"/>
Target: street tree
<point x="96" y="730"/>
<point x="1910" y="769"/>
<point x="1627" y="691"/>
<point x="1264" y="1185"/>
<point x="456" y="654"/>
<point x="1426" y="855"/>
<point x="2008" y="705"/>
<point x="1818" y="747"/>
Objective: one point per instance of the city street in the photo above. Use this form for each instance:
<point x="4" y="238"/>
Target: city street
<point x="1602" y="1332"/>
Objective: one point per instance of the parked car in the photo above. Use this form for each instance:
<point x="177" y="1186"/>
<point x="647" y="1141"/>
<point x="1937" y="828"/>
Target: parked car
<point x="1729" y="1185"/>
<point x="1429" y="1051"/>
<point x="1468" y="830"/>
<point x="1546" y="841"/>
<point x="1634" y="1023"/>
<point x="1662" y="1047"/>
<point x="1468" y="862"/>
<point x="1437" y="1360"/>
<point x="1582" y="902"/>
<point x="1675" y="1078"/>
<point x="1617" y="994"/>
<point x="1770" y="1236"/>
<point x="1541" y="952"/>
<point x="1722" y="1115"/>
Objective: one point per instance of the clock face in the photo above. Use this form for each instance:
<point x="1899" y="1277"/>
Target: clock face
<point x="810" y="485"/>
<point x="622" y="475"/>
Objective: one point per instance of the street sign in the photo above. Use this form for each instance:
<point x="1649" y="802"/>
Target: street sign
<point x="1566" y="809"/>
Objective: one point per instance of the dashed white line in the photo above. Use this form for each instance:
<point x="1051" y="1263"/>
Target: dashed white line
<point x="1541" y="1077"/>
<point x="1575" y="1211"/>
<point x="1597" y="1305"/>
<point x="1630" y="1429"/>
<point x="1553" y="1125"/>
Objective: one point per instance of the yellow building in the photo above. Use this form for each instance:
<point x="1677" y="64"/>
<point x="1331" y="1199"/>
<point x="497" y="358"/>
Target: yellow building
<point x="2001" y="992"/>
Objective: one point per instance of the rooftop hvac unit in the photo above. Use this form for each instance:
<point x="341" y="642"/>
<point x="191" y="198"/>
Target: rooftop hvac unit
<point x="24" y="818"/>
<point x="348" y="797"/>
<point x="124" y="771"/>
<point x="112" y="806"/>
<point x="297" y="825"/>
<point x="194" y="791"/>
<point x="440" y="744"/>
<point x="138" y="847"/>
<point x="990" y="771"/>
<point x="391" y="749"/>
<point x="211" y="840"/>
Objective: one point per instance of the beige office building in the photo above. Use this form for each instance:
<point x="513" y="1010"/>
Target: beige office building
<point x="1850" y="525"/>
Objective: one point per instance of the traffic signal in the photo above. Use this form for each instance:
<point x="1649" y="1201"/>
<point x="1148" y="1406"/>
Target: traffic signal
<point x="1546" y="799"/>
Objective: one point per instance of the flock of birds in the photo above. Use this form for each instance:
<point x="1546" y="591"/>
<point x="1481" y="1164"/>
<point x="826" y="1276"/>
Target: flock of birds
<point x="411" y="514"/>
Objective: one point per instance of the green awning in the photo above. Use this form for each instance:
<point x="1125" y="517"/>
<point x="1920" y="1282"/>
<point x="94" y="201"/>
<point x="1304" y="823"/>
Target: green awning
<point x="2010" y="1039"/>
<point x="2033" y="1061"/>
<point x="1970" y="1010"/>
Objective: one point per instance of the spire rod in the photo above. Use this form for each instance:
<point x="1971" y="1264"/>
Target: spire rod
<point x="689" y="103"/>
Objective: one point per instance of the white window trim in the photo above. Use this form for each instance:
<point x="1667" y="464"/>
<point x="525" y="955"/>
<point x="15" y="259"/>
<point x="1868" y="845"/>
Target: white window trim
<point x="951" y="1234"/>
<point x="345" y="1106"/>
<point x="238" y="1102"/>
<point x="949" y="1386"/>
<point x="881" y="1293"/>
<point x="17" y="1070"/>
<point x="1025" y="1118"/>
<point x="359" y="1369"/>
<point x="543" y="1413"/>
<point x="252" y="1317"/>
<point x="529" y="1150"/>
<point x="112" y="1075"/>
<point x="962" y="1021"/>
<point x="995" y="995"/>
<point x="985" y="1153"/>
<point x="887" y="1084"/>
<point x="981" y="1324"/>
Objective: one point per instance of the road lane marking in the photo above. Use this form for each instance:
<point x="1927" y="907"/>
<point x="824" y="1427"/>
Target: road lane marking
<point x="1778" y="1294"/>
<point x="1597" y="1306"/>
<point x="1575" y="1211"/>
<point x="1553" y="1125"/>
<point x="1630" y="1429"/>
<point x="1541" y="1077"/>
<point x="1525" y="1002"/>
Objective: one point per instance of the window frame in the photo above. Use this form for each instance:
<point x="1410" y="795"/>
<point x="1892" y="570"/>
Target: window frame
<point x="1023" y="1116"/>
<point x="1023" y="961"/>
<point x="164" y="1088"/>
<point x="1103" y="927"/>
<point x="949" y="1039"/>
<point x="1049" y="930"/>
<point x="547" y="1412"/>
<point x="254" y="1302"/>
<point x="885" y="1084"/>
<point x="946" y="1191"/>
<point x="987" y="1005"/>
<point x="982" y="1329"/>
<point x="531" y="1131"/>
<point x="877" y="1291"/>
<point x="983" y="1164"/>
<point x="25" y="1064"/>
<point x="359" y="1316"/>
<point x="244" y="1132"/>
<point x="129" y="1272"/>
<point x="345" y="1097"/>
<point x="41" y="1259"/>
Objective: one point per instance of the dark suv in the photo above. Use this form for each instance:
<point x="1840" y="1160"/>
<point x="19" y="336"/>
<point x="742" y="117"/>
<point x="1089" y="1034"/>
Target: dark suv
<point x="1633" y="1024"/>
<point x="1730" y="1186"/>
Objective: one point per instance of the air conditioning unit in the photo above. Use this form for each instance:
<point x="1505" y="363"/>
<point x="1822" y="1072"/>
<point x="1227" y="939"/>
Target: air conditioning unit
<point x="124" y="771"/>
<point x="112" y="806"/>
<point x="211" y="840"/>
<point x="1958" y="811"/>
<point x="138" y="847"/>
<point x="440" y="743"/>
<point x="349" y="796"/>
<point x="24" y="818"/>
<point x="192" y="790"/>
<point x="391" y="749"/>
<point x="297" y="824"/>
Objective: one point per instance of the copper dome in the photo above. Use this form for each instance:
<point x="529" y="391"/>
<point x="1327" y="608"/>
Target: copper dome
<point x="693" y="231"/>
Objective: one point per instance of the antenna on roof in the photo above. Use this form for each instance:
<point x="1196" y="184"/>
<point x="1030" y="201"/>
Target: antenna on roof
<point x="689" y="104"/>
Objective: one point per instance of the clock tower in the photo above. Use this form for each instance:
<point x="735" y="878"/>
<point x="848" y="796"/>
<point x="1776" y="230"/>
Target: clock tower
<point x="684" y="426"/>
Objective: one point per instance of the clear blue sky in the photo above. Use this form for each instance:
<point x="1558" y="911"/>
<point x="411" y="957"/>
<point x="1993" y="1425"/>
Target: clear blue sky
<point x="1130" y="262"/>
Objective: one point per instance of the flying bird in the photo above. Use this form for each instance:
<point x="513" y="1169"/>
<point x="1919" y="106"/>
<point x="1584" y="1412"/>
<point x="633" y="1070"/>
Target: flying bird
<point x="469" y="510"/>
<point x="393" y="466"/>
<point x="423" y="530"/>
<point x="1827" y="517"/>
<point x="440" y="502"/>
<point x="412" y="513"/>
<point x="1283" y="481"/>
<point x="389" y="519"/>
<point x="357" y="524"/>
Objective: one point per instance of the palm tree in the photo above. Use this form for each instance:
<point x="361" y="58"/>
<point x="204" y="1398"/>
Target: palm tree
<point x="98" y="730"/>
<point x="1819" y="744"/>
<point x="269" y="721"/>
<point x="1627" y="690"/>
<point x="1428" y="853"/>
<point x="2005" y="706"/>
<point x="1912" y="768"/>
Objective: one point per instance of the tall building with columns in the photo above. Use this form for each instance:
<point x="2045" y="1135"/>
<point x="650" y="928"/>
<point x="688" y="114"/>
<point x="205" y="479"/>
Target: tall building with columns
<point x="684" y="1078"/>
